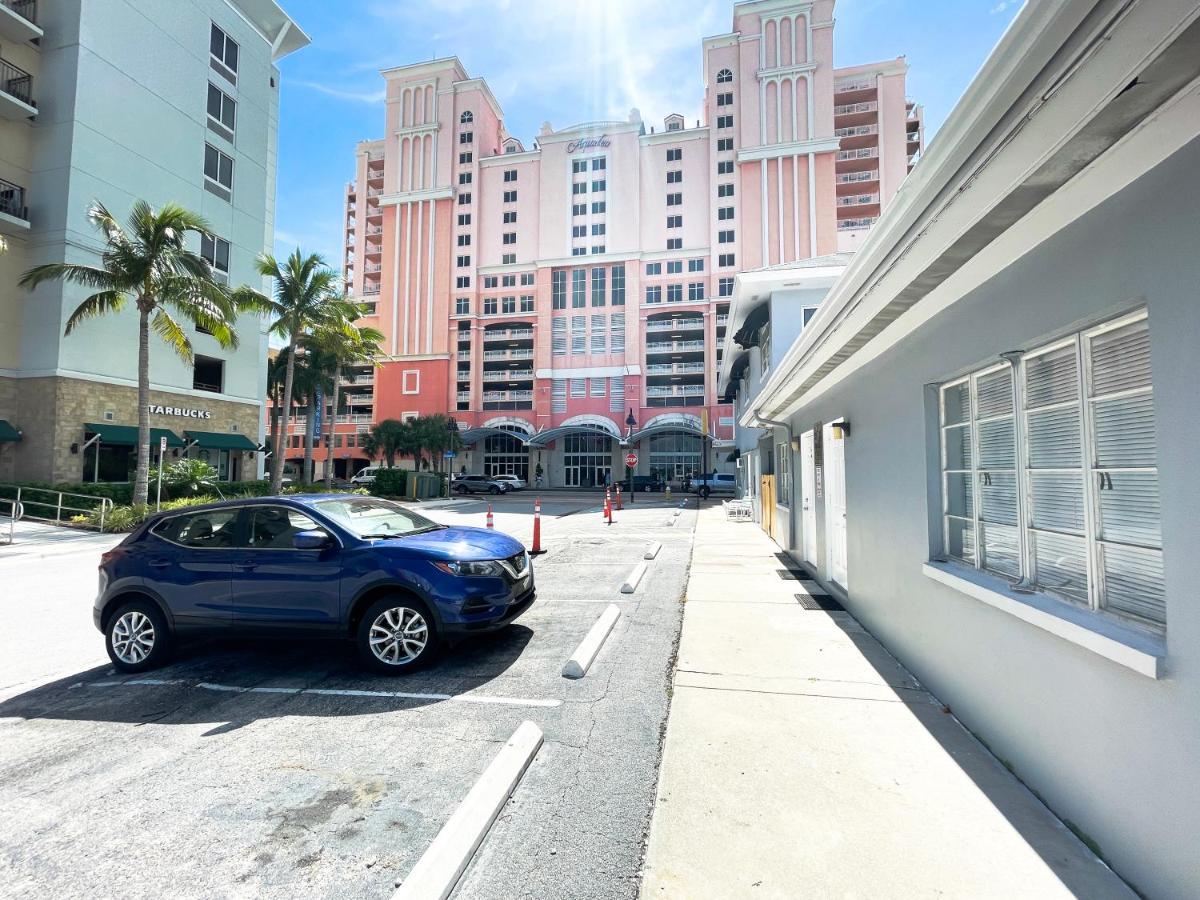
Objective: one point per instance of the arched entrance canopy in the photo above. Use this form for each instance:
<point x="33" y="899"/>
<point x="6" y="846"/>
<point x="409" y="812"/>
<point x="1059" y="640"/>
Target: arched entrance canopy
<point x="544" y="438"/>
<point x="475" y="435"/>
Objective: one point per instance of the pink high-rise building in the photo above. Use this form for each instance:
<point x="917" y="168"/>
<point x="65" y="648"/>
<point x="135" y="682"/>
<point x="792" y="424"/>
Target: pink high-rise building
<point x="542" y="294"/>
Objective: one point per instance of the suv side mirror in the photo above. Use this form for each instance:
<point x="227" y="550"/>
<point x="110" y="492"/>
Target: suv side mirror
<point x="316" y="539"/>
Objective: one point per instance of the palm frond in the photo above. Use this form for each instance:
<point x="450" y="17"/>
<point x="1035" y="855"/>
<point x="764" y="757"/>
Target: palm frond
<point x="96" y="305"/>
<point x="87" y="276"/>
<point x="172" y="334"/>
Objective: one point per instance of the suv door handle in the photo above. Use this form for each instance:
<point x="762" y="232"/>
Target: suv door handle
<point x="160" y="563"/>
<point x="245" y="564"/>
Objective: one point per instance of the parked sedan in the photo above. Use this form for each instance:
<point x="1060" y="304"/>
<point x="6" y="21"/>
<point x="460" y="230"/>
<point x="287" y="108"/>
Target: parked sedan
<point x="514" y="483"/>
<point x="332" y="565"/>
<point x="478" y="484"/>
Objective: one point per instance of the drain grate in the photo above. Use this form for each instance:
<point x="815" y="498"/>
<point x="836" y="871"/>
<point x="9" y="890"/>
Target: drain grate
<point x="819" y="601"/>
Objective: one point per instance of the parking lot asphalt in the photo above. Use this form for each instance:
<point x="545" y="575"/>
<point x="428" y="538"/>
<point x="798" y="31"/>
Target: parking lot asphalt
<point x="271" y="768"/>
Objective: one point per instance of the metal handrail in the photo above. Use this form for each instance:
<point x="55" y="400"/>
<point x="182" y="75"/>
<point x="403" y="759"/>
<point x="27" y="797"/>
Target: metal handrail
<point x="12" y="200"/>
<point x="22" y="503"/>
<point x="17" y="82"/>
<point x="26" y="9"/>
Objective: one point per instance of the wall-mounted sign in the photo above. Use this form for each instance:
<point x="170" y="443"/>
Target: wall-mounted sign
<point x="178" y="411"/>
<point x="589" y="144"/>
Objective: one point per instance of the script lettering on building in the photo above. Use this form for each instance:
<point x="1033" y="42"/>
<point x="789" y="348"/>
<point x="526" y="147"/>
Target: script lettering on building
<point x="589" y="144"/>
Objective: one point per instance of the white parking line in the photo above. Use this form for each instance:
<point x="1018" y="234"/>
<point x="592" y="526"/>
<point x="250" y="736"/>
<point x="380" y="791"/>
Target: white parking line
<point x="482" y="699"/>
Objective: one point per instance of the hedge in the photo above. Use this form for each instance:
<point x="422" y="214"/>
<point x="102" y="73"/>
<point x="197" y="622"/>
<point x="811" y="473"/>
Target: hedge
<point x="389" y="482"/>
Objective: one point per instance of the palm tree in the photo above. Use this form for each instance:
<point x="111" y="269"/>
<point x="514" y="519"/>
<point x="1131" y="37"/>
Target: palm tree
<point x="343" y="347"/>
<point x="309" y="384"/>
<point x="304" y="288"/>
<point x="148" y="263"/>
<point x="386" y="439"/>
<point x="276" y="372"/>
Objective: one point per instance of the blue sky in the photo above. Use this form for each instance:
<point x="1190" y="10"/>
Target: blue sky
<point x="562" y="61"/>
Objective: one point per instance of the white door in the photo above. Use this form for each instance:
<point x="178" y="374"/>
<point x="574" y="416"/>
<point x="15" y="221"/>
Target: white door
<point x="808" y="494"/>
<point x="833" y="452"/>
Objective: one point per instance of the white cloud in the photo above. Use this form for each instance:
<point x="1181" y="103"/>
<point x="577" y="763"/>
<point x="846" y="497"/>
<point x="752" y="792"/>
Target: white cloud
<point x="1001" y="7"/>
<point x="375" y="96"/>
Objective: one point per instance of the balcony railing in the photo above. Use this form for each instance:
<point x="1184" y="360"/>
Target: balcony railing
<point x="464" y="396"/>
<point x="358" y="379"/>
<point x="464" y="354"/>
<point x="862" y="222"/>
<point x="858" y="200"/>
<point x="370" y="291"/>
<point x="518" y="353"/>
<point x="372" y="269"/>
<point x="509" y="375"/>
<point x="861" y="153"/>
<point x="675" y="390"/>
<point x="375" y="229"/>
<point x="676" y="369"/>
<point x="681" y="324"/>
<point x="500" y="396"/>
<point x="374" y="192"/>
<point x="853" y="177"/>
<point x="722" y="320"/>
<point x="848" y="109"/>
<point x="12" y="200"/>
<point x="16" y="82"/>
<point x="508" y="334"/>
<point x="856" y="130"/>
<point x="674" y="346"/>
<point x="856" y="84"/>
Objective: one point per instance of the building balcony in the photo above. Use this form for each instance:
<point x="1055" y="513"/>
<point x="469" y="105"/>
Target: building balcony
<point x="682" y="323"/>
<point x="508" y="334"/>
<point x="674" y="346"/>
<point x="358" y="379"/>
<point x="856" y="131"/>
<point x="858" y="200"/>
<point x="855" y="223"/>
<point x="374" y="229"/>
<point x="860" y="153"/>
<point x="370" y="308"/>
<point x="373" y="250"/>
<point x="852" y="109"/>
<point x="688" y="368"/>
<point x="375" y="165"/>
<point x="464" y="354"/>
<point x="464" y="396"/>
<point x="370" y="290"/>
<point x="675" y="390"/>
<point x="372" y="269"/>
<point x="506" y="396"/>
<point x="722" y="320"/>
<point x="854" y="178"/>
<point x="509" y="375"/>
<point x="14" y="216"/>
<point x="509" y="353"/>
<point x="16" y="92"/>
<point x="18" y="21"/>
<point x="374" y="192"/>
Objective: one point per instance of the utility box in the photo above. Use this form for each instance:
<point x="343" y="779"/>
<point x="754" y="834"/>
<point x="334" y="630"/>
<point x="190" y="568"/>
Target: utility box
<point x="423" y="486"/>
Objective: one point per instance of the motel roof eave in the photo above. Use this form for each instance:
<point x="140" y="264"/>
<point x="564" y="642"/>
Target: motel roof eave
<point x="1050" y="103"/>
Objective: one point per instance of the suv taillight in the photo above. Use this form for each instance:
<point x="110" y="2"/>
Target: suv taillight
<point x="106" y="558"/>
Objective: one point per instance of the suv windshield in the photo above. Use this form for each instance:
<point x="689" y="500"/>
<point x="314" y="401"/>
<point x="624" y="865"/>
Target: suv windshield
<point x="370" y="517"/>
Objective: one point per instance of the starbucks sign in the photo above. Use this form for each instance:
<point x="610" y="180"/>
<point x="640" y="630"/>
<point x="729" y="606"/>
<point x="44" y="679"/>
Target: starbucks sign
<point x="178" y="411"/>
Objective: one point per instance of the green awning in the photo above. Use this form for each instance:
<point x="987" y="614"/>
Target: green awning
<point x="216" y="440"/>
<point x="128" y="434"/>
<point x="7" y="432"/>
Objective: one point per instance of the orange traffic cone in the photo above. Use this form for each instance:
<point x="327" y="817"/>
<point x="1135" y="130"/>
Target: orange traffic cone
<point x="607" y="511"/>
<point x="490" y="524"/>
<point x="537" y="528"/>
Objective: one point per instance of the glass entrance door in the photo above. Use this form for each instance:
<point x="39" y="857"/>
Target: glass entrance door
<point x="586" y="459"/>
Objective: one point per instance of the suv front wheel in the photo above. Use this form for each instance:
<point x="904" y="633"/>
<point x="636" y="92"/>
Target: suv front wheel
<point x="396" y="635"/>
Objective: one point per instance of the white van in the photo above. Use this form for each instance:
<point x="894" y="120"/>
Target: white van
<point x="365" y="475"/>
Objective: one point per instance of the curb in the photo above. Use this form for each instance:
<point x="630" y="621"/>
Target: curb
<point x="652" y="550"/>
<point x="630" y="584"/>
<point x="581" y="660"/>
<point x="444" y="861"/>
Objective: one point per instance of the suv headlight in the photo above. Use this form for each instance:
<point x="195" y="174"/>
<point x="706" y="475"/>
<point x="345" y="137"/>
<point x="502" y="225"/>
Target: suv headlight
<point x="478" y="568"/>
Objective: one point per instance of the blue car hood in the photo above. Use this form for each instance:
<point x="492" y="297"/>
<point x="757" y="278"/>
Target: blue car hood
<point x="457" y="543"/>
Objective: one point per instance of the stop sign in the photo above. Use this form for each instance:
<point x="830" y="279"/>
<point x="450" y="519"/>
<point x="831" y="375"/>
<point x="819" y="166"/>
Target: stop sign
<point x="631" y="459"/>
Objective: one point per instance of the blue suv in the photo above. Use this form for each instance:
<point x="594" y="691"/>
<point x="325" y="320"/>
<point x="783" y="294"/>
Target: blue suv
<point x="335" y="565"/>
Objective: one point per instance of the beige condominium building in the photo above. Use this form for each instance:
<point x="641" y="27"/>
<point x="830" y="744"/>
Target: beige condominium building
<point x="163" y="102"/>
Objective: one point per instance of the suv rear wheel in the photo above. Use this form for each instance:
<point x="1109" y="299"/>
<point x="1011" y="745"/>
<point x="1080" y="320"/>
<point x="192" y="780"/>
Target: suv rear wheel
<point x="396" y="635"/>
<point x="137" y="637"/>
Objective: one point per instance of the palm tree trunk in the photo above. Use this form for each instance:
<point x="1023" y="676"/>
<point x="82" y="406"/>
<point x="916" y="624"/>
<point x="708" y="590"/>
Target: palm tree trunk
<point x="309" y="417"/>
<point x="337" y="377"/>
<point x="277" y="465"/>
<point x="141" y="478"/>
<point x="276" y="428"/>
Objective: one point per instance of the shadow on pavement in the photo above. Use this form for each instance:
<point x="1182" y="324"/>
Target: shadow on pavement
<point x="201" y="684"/>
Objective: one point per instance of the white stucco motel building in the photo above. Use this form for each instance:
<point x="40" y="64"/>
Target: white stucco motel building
<point x="985" y="439"/>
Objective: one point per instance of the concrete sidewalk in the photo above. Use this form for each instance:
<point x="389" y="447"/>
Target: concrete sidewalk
<point x="802" y="760"/>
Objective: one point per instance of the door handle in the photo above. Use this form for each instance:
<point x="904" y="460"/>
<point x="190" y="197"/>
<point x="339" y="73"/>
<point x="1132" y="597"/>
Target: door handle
<point x="159" y="563"/>
<point x="245" y="564"/>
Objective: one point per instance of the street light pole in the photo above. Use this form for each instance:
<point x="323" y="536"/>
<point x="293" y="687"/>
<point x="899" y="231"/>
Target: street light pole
<point x="630" y="422"/>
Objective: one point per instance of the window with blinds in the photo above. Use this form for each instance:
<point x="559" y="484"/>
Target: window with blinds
<point x="558" y="337"/>
<point x="578" y="334"/>
<point x="616" y="327"/>
<point x="578" y="387"/>
<point x="558" y="395"/>
<point x="616" y="394"/>
<point x="1049" y="471"/>
<point x="598" y="334"/>
<point x="596" y="387"/>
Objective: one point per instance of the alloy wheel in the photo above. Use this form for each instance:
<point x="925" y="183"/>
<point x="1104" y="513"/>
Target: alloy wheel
<point x="398" y="636"/>
<point x="133" y="637"/>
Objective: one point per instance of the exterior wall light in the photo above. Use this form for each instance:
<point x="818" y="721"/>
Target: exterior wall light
<point x="841" y="430"/>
